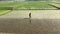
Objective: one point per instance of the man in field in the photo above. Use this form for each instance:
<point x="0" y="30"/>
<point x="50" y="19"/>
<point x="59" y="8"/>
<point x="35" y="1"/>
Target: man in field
<point x="30" y="15"/>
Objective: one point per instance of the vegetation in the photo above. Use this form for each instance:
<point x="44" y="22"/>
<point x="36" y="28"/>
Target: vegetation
<point x="33" y="5"/>
<point x="2" y="12"/>
<point x="5" y="6"/>
<point x="26" y="5"/>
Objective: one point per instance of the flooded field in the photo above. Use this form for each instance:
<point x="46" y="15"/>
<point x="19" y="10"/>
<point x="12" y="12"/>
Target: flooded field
<point x="37" y="26"/>
<point x="35" y="14"/>
<point x="42" y="22"/>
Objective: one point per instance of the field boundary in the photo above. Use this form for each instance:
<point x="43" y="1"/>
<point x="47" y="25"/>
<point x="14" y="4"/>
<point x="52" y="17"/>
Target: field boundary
<point x="54" y="5"/>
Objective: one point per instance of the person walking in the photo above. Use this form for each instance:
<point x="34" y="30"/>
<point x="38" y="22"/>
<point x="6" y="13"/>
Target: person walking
<point x="30" y="15"/>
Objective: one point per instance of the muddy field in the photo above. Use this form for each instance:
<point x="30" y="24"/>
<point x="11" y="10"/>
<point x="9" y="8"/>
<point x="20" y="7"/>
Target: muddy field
<point x="37" y="26"/>
<point x="35" y="14"/>
<point x="42" y="22"/>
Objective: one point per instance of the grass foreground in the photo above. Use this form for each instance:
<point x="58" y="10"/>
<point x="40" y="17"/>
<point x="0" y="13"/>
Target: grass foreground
<point x="2" y="12"/>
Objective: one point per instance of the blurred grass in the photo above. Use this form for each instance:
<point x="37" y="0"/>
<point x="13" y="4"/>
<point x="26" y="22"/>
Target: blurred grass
<point x="27" y="5"/>
<point x="23" y="5"/>
<point x="33" y="5"/>
<point x="2" y="12"/>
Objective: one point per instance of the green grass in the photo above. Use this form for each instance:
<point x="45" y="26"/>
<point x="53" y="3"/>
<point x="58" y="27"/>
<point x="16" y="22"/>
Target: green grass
<point x="33" y="5"/>
<point x="27" y="5"/>
<point x="6" y="4"/>
<point x="2" y="12"/>
<point x="24" y="5"/>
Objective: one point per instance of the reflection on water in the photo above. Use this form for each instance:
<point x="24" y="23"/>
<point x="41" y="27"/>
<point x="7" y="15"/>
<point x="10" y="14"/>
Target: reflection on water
<point x="37" y="26"/>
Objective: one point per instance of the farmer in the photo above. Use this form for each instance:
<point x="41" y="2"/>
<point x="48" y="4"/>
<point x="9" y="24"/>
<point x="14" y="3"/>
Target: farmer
<point x="30" y="15"/>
